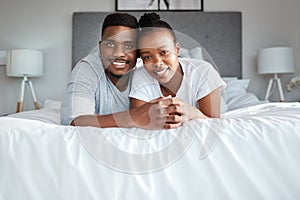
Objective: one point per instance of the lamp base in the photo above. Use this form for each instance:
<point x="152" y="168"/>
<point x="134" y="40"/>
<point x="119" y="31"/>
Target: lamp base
<point x="275" y="79"/>
<point x="27" y="82"/>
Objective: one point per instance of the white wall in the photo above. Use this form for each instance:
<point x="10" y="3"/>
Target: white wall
<point x="47" y="25"/>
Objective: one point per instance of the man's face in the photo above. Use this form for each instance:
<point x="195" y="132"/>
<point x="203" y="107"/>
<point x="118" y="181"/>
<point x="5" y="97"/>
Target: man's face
<point x="118" y="49"/>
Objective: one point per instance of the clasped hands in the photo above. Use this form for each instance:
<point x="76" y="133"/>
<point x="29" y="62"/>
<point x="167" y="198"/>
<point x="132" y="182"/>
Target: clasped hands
<point x="165" y="113"/>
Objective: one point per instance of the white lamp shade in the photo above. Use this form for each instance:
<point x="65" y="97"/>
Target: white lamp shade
<point x="24" y="62"/>
<point x="276" y="60"/>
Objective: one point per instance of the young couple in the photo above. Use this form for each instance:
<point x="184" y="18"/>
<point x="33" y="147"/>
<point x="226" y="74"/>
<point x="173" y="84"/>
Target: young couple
<point x="107" y="90"/>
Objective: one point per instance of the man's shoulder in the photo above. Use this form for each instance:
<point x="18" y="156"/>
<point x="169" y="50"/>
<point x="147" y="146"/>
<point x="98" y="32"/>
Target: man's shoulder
<point x="90" y="64"/>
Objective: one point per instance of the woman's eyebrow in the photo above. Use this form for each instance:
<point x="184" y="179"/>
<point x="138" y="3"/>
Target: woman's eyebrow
<point x="144" y="52"/>
<point x="158" y="48"/>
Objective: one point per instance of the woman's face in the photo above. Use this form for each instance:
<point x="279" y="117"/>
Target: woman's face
<point x="159" y="53"/>
<point x="118" y="49"/>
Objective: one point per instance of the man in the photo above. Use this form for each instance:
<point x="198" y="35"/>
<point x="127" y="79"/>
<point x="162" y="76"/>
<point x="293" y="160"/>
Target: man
<point x="97" y="94"/>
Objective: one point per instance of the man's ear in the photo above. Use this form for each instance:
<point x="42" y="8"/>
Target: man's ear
<point x="99" y="46"/>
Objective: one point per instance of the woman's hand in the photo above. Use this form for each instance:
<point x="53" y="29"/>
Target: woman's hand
<point x="156" y="114"/>
<point x="177" y="106"/>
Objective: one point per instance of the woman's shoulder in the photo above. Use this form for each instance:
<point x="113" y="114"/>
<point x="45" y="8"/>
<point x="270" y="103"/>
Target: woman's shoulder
<point x="195" y="64"/>
<point x="141" y="72"/>
<point x="141" y="76"/>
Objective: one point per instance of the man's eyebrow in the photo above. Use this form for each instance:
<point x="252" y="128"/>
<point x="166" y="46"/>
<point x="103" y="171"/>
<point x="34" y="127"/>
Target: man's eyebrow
<point x="130" y="41"/>
<point x="126" y="41"/>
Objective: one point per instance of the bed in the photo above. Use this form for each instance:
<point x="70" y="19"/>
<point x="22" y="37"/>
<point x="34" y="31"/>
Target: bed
<point x="251" y="152"/>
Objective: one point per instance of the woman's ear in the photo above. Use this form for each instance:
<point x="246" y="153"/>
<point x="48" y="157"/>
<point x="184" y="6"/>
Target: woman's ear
<point x="177" y="47"/>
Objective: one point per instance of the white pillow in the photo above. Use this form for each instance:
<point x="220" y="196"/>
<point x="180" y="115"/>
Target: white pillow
<point x="235" y="94"/>
<point x="50" y="113"/>
<point x="196" y="53"/>
<point x="234" y="88"/>
<point x="193" y="53"/>
<point x="226" y="79"/>
<point x="184" y="53"/>
<point x="224" y="106"/>
<point x="52" y="104"/>
<point x="242" y="101"/>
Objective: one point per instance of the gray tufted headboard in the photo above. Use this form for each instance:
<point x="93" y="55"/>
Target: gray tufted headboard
<point x="218" y="32"/>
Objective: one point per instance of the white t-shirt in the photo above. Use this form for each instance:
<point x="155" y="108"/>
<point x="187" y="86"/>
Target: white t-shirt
<point x="90" y="91"/>
<point x="199" y="79"/>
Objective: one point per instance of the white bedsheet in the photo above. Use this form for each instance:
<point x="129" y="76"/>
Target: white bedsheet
<point x="251" y="153"/>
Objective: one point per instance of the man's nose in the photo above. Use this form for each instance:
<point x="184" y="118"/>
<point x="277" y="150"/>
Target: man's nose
<point x="119" y="51"/>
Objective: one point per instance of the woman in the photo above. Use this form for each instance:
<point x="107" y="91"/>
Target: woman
<point x="193" y="86"/>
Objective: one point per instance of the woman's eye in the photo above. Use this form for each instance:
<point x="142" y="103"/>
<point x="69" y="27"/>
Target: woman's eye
<point x="164" y="52"/>
<point x="146" y="57"/>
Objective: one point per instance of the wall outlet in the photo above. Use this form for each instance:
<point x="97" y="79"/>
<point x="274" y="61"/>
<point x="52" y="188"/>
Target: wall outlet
<point x="2" y="57"/>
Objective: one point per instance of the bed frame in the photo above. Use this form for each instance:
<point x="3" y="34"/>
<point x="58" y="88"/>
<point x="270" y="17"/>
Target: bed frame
<point x="218" y="32"/>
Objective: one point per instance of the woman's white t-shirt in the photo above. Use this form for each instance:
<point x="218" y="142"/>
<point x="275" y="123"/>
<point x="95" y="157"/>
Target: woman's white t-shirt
<point x="200" y="78"/>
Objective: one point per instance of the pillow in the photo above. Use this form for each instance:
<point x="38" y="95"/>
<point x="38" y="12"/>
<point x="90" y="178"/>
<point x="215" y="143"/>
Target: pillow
<point x="184" y="53"/>
<point x="235" y="94"/>
<point x="242" y="101"/>
<point x="226" y="79"/>
<point x="139" y="63"/>
<point x="193" y="53"/>
<point x="196" y="53"/>
<point x="234" y="88"/>
<point x="224" y="106"/>
<point x="52" y="104"/>
<point x="50" y="113"/>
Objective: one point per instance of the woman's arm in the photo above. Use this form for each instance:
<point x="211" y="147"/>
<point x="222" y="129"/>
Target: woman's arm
<point x="210" y="105"/>
<point x="134" y="103"/>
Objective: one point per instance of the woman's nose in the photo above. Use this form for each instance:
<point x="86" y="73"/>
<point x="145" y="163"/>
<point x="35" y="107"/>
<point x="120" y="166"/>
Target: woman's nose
<point x="157" y="61"/>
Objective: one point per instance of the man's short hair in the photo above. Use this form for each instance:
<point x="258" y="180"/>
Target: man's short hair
<point x="120" y="19"/>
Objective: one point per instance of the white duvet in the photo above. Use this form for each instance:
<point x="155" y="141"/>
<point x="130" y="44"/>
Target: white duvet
<point x="251" y="153"/>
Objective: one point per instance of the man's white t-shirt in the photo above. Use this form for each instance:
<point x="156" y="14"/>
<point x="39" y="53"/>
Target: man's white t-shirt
<point x="200" y="78"/>
<point x="90" y="91"/>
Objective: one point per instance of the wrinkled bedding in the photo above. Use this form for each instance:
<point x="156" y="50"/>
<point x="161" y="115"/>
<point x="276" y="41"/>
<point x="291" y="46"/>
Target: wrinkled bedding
<point x="250" y="153"/>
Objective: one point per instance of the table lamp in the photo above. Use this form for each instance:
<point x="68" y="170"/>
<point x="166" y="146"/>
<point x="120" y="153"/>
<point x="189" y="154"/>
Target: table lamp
<point x="275" y="60"/>
<point x="24" y="63"/>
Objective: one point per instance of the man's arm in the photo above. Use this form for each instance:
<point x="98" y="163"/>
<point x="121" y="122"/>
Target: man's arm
<point x="150" y="115"/>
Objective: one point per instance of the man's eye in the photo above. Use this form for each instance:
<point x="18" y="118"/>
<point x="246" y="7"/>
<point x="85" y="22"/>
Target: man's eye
<point x="110" y="45"/>
<point x="128" y="46"/>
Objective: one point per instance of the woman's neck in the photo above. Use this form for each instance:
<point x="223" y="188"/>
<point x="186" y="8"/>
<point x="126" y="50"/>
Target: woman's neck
<point x="171" y="87"/>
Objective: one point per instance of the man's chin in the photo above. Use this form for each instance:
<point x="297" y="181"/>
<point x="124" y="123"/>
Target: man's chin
<point x="114" y="75"/>
<point x="119" y="74"/>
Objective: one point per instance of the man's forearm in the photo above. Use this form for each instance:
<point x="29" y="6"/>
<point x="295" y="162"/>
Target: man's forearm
<point x="120" y="119"/>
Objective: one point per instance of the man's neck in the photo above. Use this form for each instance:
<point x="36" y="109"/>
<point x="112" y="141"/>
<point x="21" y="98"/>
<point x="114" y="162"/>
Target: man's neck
<point x="120" y="81"/>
